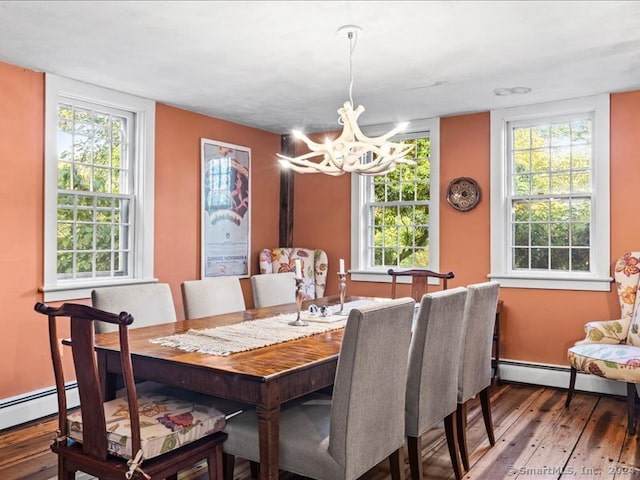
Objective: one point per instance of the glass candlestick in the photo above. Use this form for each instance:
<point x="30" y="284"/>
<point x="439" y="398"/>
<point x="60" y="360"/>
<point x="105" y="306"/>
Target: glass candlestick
<point x="342" y="287"/>
<point x="298" y="322"/>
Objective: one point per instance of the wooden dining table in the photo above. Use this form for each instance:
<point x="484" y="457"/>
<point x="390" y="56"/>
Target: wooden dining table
<point x="265" y="377"/>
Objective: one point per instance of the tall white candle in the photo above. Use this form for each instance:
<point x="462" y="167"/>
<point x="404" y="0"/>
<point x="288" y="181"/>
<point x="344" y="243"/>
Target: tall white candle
<point x="341" y="265"/>
<point x="298" y="268"/>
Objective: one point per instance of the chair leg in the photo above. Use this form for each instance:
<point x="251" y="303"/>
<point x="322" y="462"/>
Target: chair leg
<point x="485" y="402"/>
<point x="228" y="464"/>
<point x="572" y="384"/>
<point x="214" y="464"/>
<point x="254" y="467"/>
<point x="414" y="446"/>
<point x="461" y="420"/>
<point x="63" y="472"/>
<point x="395" y="464"/>
<point x="450" y="429"/>
<point x="631" y="408"/>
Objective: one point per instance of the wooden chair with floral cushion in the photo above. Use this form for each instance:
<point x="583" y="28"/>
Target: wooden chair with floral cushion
<point x="148" y="434"/>
<point x="611" y="348"/>
<point x="314" y="264"/>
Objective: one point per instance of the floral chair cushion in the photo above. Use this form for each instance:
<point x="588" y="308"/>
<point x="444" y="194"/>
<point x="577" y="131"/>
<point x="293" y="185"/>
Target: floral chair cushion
<point x="626" y="328"/>
<point x="314" y="264"/>
<point x="615" y="362"/>
<point x="166" y="423"/>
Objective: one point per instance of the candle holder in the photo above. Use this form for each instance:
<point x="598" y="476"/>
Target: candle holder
<point x="342" y="287"/>
<point x="298" y="322"/>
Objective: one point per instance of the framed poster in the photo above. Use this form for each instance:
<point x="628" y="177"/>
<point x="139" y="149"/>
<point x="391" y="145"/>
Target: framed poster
<point x="226" y="212"/>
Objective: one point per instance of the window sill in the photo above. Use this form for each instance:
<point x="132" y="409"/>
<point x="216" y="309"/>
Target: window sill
<point x="82" y="290"/>
<point x="548" y="282"/>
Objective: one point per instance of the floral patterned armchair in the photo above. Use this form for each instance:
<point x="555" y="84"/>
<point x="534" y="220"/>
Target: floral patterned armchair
<point x="314" y="267"/>
<point x="611" y="348"/>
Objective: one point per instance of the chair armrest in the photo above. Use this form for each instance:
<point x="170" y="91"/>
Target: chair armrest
<point x="606" y="331"/>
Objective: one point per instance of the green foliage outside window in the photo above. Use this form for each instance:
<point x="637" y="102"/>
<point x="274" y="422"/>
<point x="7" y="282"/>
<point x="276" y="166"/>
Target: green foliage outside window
<point x="92" y="204"/>
<point x="399" y="211"/>
<point x="551" y="202"/>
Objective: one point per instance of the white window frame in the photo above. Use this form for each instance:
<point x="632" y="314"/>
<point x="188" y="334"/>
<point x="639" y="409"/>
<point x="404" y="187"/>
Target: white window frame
<point x="598" y="279"/>
<point x="358" y="271"/>
<point x="58" y="89"/>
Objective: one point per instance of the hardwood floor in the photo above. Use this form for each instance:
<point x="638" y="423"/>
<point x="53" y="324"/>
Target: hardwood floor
<point x="536" y="438"/>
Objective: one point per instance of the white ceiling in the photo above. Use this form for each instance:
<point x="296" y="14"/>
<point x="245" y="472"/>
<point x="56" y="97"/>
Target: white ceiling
<point x="277" y="65"/>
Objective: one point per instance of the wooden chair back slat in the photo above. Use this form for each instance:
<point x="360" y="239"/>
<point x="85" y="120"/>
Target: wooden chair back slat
<point x="91" y="397"/>
<point x="419" y="280"/>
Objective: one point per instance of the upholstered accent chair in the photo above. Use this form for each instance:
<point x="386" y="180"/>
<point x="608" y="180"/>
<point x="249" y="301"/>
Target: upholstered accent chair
<point x="148" y="433"/>
<point x="474" y="374"/>
<point x="419" y="280"/>
<point x="341" y="437"/>
<point x="432" y="385"/>
<point x="611" y="348"/>
<point x="149" y="303"/>
<point x="314" y="267"/>
<point x="212" y="296"/>
<point x="276" y="289"/>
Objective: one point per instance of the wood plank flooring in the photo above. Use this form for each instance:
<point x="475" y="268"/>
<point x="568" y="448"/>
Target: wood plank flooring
<point x="536" y="438"/>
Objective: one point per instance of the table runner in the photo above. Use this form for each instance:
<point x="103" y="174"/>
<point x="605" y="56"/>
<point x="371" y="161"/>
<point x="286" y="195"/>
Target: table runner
<point x="252" y="334"/>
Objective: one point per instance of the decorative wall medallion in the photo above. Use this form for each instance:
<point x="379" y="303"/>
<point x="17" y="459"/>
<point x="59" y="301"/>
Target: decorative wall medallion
<point x="463" y="193"/>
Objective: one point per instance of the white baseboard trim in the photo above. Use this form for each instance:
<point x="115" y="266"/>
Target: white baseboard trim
<point x="558" y="376"/>
<point x="34" y="405"/>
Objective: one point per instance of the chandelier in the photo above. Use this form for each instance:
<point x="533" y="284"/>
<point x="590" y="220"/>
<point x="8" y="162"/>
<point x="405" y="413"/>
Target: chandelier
<point x="352" y="151"/>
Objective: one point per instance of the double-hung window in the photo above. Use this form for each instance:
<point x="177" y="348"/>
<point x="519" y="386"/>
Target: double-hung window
<point x="395" y="216"/>
<point x="98" y="189"/>
<point x="550" y="195"/>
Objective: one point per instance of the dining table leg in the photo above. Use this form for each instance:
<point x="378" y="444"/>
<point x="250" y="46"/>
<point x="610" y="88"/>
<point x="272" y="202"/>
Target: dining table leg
<point x="269" y="431"/>
<point x="107" y="380"/>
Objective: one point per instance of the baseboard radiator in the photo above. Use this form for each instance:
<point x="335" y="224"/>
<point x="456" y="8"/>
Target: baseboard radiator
<point x="34" y="405"/>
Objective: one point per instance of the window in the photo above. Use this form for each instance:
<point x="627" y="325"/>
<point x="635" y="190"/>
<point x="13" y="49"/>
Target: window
<point x="98" y="189"/>
<point x="550" y="195"/>
<point x="394" y="221"/>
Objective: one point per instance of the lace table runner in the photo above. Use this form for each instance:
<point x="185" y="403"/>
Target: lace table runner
<point x="243" y="336"/>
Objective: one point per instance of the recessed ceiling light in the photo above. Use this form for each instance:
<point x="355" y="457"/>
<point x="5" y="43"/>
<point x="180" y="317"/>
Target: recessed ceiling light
<point x="501" y="92"/>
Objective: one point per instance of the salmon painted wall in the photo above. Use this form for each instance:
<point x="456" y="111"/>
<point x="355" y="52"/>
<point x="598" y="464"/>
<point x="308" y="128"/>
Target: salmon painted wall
<point x="25" y="365"/>
<point x="537" y="325"/>
<point x="177" y="184"/>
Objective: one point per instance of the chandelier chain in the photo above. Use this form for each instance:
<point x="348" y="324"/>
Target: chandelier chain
<point x="352" y="47"/>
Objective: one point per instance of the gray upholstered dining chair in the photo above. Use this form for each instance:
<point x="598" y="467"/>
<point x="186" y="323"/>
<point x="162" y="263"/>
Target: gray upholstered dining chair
<point x="149" y="303"/>
<point x="344" y="435"/>
<point x="212" y="296"/>
<point x="474" y="376"/>
<point x="432" y="384"/>
<point x="274" y="289"/>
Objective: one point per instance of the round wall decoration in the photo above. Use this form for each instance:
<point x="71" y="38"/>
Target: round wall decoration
<point x="463" y="193"/>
